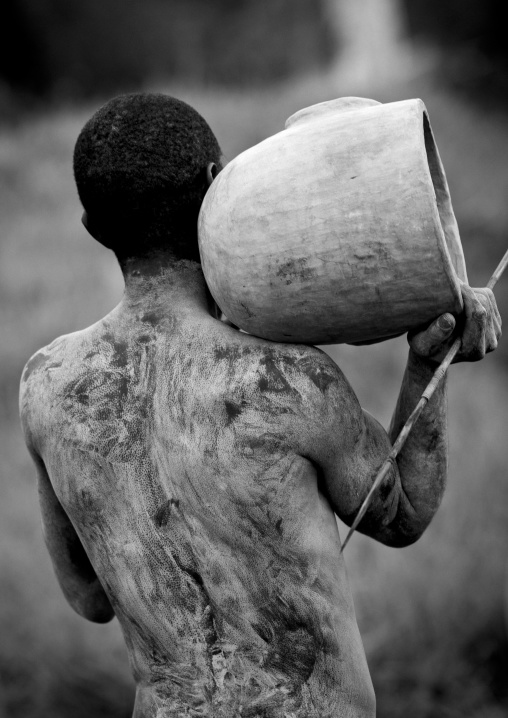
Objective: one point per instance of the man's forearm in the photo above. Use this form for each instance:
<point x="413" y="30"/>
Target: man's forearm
<point x="424" y="458"/>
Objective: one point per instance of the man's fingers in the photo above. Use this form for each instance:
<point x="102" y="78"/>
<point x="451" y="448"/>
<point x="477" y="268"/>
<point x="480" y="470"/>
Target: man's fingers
<point x="479" y="325"/>
<point x="482" y="326"/>
<point x="495" y="325"/>
<point x="475" y="320"/>
<point x="493" y="329"/>
<point x="428" y="342"/>
<point x="489" y="294"/>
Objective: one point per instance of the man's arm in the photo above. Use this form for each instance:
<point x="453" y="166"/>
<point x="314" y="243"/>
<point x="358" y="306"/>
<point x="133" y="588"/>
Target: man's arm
<point x="352" y="445"/>
<point x="73" y="569"/>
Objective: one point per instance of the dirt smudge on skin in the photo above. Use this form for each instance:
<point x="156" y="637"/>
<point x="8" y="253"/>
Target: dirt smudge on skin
<point x="232" y="411"/>
<point x="321" y="376"/>
<point x="293" y="637"/>
<point x="34" y="363"/>
<point x="144" y="339"/>
<point x="54" y="365"/>
<point x="163" y="514"/>
<point x="222" y="353"/>
<point x="151" y="318"/>
<point x="79" y="390"/>
<point x="106" y="391"/>
<point x="232" y="353"/>
<point x="435" y="438"/>
<point x="120" y="355"/>
<point x="272" y="378"/>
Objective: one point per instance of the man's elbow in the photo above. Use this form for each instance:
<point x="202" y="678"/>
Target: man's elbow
<point x="397" y="539"/>
<point x="405" y="530"/>
<point x="92" y="604"/>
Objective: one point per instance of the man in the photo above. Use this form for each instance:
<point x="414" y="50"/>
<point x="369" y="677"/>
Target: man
<point x="189" y="473"/>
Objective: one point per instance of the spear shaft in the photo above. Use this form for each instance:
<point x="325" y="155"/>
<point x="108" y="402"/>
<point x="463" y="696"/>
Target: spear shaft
<point x="413" y="417"/>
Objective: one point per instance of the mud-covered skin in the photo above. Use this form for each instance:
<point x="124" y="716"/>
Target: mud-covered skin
<point x="200" y="468"/>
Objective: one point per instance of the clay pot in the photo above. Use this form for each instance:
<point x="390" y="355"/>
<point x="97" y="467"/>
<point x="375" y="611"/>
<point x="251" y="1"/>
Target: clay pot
<point x="337" y="229"/>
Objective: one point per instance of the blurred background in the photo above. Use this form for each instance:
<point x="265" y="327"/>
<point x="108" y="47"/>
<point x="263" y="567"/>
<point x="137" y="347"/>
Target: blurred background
<point x="434" y="616"/>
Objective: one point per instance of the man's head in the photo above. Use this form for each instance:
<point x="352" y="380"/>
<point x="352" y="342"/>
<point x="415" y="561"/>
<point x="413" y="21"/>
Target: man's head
<point x="140" y="165"/>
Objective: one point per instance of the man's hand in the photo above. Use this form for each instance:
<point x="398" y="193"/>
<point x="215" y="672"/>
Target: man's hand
<point x="479" y="327"/>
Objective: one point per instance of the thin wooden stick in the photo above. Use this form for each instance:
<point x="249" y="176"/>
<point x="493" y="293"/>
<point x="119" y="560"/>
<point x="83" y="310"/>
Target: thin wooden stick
<point x="498" y="271"/>
<point x="413" y="418"/>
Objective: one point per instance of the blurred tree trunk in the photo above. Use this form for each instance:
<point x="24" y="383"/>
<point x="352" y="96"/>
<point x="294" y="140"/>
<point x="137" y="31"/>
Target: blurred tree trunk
<point x="372" y="42"/>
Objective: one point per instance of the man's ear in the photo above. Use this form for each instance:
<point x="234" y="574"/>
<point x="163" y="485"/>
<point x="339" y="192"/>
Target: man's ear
<point x="92" y="231"/>
<point x="211" y="173"/>
<point x="86" y="223"/>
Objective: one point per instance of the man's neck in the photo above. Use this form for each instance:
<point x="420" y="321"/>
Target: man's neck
<point x="167" y="285"/>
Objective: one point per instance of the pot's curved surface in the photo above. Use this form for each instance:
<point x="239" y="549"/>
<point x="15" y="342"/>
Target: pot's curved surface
<point x="337" y="229"/>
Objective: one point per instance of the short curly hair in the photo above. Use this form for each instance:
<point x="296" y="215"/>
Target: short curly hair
<point x="140" y="170"/>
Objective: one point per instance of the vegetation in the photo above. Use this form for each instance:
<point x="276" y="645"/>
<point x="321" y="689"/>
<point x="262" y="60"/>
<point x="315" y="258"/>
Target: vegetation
<point x="431" y="616"/>
<point x="471" y="35"/>
<point x="69" y="48"/>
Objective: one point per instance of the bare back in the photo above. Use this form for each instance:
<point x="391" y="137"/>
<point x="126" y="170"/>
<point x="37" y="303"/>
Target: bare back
<point x="170" y="444"/>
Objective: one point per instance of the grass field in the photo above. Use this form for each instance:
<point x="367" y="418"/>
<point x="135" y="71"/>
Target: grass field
<point x="432" y="616"/>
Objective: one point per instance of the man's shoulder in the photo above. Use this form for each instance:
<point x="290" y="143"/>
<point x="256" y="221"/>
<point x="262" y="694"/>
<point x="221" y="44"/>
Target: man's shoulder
<point x="44" y="372"/>
<point x="75" y="377"/>
<point x="49" y="356"/>
<point x="35" y="381"/>
<point x="278" y="394"/>
<point x="308" y="368"/>
<point x="293" y="370"/>
<point x="66" y="353"/>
